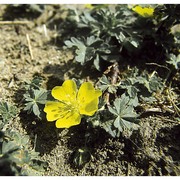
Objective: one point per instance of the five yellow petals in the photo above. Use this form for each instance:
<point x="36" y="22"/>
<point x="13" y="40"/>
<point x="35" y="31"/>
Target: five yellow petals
<point x="72" y="103"/>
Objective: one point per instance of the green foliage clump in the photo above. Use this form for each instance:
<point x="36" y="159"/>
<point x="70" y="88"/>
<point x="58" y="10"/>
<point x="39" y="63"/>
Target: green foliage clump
<point x="174" y="61"/>
<point x="16" y="158"/>
<point x="35" y="97"/>
<point x="118" y="113"/>
<point x="124" y="116"/>
<point x="7" y="112"/>
<point x="142" y="85"/>
<point x="107" y="38"/>
<point x="117" y="34"/>
<point x="103" y="29"/>
<point x="88" y="50"/>
<point x="106" y="85"/>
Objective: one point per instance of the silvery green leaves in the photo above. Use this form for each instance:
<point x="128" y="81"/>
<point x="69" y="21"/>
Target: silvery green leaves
<point x="174" y="60"/>
<point x="86" y="20"/>
<point x="142" y="85"/>
<point x="106" y="21"/>
<point x="82" y="49"/>
<point x="19" y="158"/>
<point x="123" y="110"/>
<point x="35" y="96"/>
<point x="7" y="112"/>
<point x="14" y="141"/>
<point x="34" y="99"/>
<point x="108" y="30"/>
<point x="128" y="40"/>
<point x="120" y="117"/>
<point x="105" y="84"/>
<point x="89" y="49"/>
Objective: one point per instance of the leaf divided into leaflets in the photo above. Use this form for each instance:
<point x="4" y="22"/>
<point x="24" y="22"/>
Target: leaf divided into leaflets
<point x="34" y="98"/>
<point x="126" y="117"/>
<point x="7" y="112"/>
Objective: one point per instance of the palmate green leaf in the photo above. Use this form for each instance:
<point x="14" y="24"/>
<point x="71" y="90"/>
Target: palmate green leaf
<point x="142" y="86"/>
<point x="126" y="117"/>
<point x="108" y="126"/>
<point x="121" y="124"/>
<point x="7" y="112"/>
<point x="105" y="84"/>
<point x="82" y="50"/>
<point x="15" y="149"/>
<point x="104" y="119"/>
<point x="153" y="83"/>
<point x="35" y="83"/>
<point x="128" y="40"/>
<point x="90" y="49"/>
<point x="113" y="111"/>
<point x="132" y="91"/>
<point x="40" y="96"/>
<point x="107" y="121"/>
<point x="9" y="147"/>
<point x="134" y="101"/>
<point x="34" y="98"/>
<point x="20" y="157"/>
<point x="174" y="60"/>
<point x="86" y="19"/>
<point x="28" y="107"/>
<point x="16" y="139"/>
<point x="36" y="95"/>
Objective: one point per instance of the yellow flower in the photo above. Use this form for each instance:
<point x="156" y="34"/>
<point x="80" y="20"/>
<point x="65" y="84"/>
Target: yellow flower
<point x="72" y="103"/>
<point x="144" y="11"/>
<point x="88" y="6"/>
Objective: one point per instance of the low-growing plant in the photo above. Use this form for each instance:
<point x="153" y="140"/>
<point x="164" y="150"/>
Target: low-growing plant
<point x="16" y="157"/>
<point x="7" y="112"/>
<point x="111" y="37"/>
<point x="119" y="117"/>
<point x="174" y="61"/>
<point x="35" y="97"/>
<point x="124" y="33"/>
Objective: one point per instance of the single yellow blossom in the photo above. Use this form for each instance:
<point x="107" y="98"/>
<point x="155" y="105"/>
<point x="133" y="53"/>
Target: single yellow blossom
<point x="144" y="11"/>
<point x="72" y="103"/>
